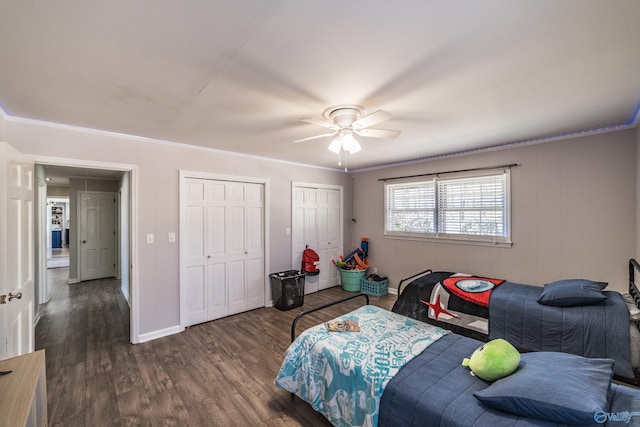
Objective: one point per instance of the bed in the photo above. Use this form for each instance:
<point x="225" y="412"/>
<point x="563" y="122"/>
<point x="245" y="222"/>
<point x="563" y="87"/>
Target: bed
<point x="397" y="371"/>
<point x="486" y="308"/>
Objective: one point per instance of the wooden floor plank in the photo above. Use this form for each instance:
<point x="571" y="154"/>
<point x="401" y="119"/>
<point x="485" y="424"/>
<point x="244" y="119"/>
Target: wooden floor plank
<point x="219" y="373"/>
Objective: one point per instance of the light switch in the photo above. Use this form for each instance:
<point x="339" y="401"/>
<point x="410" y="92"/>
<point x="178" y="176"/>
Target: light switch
<point x="172" y="237"/>
<point x="150" y="238"/>
<point x="287" y="231"/>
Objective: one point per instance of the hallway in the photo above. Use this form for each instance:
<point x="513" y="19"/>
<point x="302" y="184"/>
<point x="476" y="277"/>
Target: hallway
<point x="83" y="329"/>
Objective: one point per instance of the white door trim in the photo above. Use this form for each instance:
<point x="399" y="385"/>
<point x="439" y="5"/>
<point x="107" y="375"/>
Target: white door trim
<point x="134" y="314"/>
<point x="184" y="174"/>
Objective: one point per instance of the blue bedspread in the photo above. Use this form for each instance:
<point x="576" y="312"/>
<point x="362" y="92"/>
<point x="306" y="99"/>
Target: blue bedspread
<point x="598" y="330"/>
<point x="434" y="389"/>
<point x="343" y="374"/>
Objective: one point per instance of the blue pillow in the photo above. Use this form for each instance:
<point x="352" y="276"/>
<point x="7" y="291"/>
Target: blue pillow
<point x="551" y="386"/>
<point x="572" y="292"/>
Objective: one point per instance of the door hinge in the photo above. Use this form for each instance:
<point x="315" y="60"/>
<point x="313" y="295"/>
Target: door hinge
<point x="3" y="299"/>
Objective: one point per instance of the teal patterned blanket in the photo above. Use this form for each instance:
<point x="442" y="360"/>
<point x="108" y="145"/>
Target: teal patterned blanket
<point x="343" y="374"/>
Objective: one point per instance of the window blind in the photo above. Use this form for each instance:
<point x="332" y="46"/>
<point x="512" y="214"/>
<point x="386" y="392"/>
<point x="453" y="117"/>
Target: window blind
<point x="469" y="207"/>
<point x="472" y="206"/>
<point x="411" y="207"/>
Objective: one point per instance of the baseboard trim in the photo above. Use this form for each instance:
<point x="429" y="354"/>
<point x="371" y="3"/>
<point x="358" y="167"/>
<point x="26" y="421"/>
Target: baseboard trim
<point x="161" y="333"/>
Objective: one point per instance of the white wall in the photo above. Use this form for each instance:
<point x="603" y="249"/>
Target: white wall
<point x="158" y="166"/>
<point x="573" y="214"/>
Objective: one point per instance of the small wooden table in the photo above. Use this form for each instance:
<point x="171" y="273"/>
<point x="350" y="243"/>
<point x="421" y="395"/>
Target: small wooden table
<point x="23" y="392"/>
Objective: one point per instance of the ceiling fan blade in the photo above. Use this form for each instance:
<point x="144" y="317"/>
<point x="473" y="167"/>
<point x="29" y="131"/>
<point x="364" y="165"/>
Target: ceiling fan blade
<point x="371" y="119"/>
<point x="321" y="123"/>
<point x="315" y="137"/>
<point x="378" y="133"/>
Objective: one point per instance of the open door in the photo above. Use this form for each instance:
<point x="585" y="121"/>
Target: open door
<point x="16" y="253"/>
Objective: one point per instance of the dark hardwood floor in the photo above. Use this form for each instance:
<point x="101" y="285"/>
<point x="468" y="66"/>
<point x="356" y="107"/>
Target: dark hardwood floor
<point x="219" y="373"/>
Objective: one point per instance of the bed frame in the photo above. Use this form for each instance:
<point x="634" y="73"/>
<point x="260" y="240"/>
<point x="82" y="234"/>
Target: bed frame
<point x="415" y="276"/>
<point x="322" y="307"/>
<point x="633" y="288"/>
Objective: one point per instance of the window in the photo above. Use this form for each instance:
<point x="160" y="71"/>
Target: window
<point x="469" y="208"/>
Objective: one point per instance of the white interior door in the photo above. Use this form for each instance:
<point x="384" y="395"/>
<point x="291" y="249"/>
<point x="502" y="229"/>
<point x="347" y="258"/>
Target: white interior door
<point x="17" y="259"/>
<point x="254" y="245"/>
<point x="223" y="247"/>
<point x="97" y="235"/>
<point x="236" y="245"/>
<point x="194" y="254"/>
<point x="316" y="222"/>
<point x="328" y="208"/>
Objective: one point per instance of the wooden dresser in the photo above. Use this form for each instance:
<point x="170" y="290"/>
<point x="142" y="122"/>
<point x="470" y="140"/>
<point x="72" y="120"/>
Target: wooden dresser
<point x="23" y="392"/>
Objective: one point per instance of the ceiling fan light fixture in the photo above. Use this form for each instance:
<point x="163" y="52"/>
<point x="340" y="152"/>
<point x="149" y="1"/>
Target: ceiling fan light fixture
<point x="347" y="122"/>
<point x="336" y="145"/>
<point x="350" y="144"/>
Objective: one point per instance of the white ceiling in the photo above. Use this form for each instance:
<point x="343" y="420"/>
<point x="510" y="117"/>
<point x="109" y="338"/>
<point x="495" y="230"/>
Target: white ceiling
<point x="238" y="75"/>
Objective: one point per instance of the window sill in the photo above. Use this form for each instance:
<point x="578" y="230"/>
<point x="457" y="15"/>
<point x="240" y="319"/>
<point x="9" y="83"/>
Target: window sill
<point x="448" y="240"/>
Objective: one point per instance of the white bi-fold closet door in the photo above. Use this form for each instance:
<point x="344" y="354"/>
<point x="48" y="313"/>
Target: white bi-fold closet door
<point x="317" y="223"/>
<point x="222" y="248"/>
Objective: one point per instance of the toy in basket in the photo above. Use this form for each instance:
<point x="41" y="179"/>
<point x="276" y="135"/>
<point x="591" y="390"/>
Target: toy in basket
<point x="374" y="285"/>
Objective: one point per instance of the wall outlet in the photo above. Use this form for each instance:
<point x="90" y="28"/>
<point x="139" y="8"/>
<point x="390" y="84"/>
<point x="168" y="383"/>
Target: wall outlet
<point x="375" y="270"/>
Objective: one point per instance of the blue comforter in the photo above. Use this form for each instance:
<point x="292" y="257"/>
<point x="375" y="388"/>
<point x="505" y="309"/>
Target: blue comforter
<point x="598" y="330"/>
<point x="434" y="389"/>
<point x="343" y="374"/>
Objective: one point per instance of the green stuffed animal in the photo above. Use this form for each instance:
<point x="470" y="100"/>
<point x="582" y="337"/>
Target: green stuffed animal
<point x="494" y="360"/>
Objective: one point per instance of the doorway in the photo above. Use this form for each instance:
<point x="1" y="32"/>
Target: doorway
<point x="57" y="232"/>
<point x="119" y="182"/>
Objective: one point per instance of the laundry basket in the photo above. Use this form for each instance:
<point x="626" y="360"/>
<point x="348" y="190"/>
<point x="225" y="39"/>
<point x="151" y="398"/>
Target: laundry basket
<point x="351" y="279"/>
<point x="287" y="289"/>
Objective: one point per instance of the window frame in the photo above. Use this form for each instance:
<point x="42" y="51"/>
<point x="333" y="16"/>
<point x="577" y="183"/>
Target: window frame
<point x="439" y="235"/>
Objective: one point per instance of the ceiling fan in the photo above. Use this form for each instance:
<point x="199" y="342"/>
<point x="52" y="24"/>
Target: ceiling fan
<point x="347" y="121"/>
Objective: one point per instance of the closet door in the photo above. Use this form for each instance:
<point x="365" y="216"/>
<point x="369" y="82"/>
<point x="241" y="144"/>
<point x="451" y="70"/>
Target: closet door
<point x="195" y="264"/>
<point x="215" y="236"/>
<point x="305" y="231"/>
<point x="316" y="213"/>
<point x="224" y="241"/>
<point x="245" y="246"/>
<point x="328" y="223"/>
<point x="255" y="250"/>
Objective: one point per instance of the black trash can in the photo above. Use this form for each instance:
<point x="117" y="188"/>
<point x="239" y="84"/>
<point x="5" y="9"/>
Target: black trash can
<point x="287" y="289"/>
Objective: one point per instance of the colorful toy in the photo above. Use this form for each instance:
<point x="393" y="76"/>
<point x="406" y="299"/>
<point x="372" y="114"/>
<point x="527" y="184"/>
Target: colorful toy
<point x="356" y="259"/>
<point x="494" y="360"/>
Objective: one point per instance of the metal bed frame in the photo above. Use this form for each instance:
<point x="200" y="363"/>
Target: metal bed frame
<point x="313" y="310"/>
<point x="633" y="288"/>
<point x="422" y="273"/>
